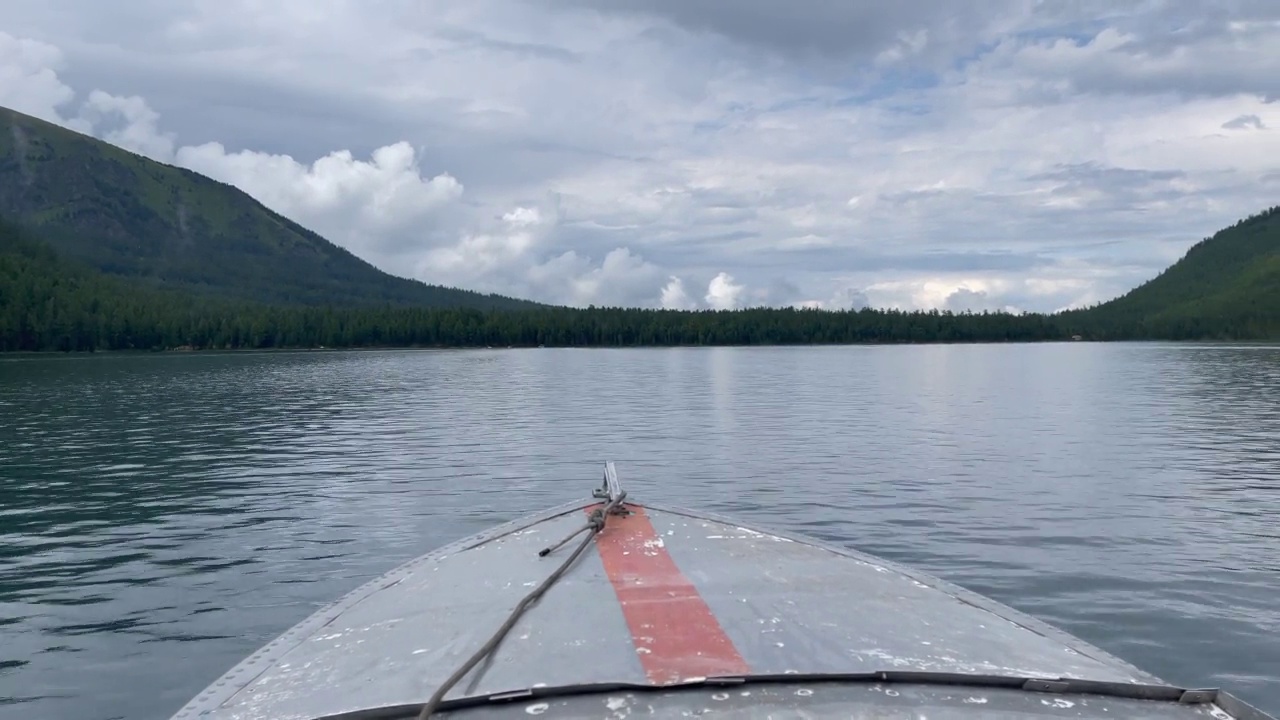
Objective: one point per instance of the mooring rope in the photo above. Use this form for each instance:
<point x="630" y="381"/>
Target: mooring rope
<point x="595" y="523"/>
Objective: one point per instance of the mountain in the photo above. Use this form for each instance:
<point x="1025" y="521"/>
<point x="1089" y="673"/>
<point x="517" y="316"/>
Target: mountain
<point x="1225" y="286"/>
<point x="48" y="302"/>
<point x="110" y="250"/>
<point x="127" y="215"/>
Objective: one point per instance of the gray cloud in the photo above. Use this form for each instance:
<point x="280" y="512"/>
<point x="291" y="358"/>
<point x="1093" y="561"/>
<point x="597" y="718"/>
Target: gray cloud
<point x="475" y="40"/>
<point x="820" y="152"/>
<point x="1097" y="175"/>
<point x="1188" y="50"/>
<point x="1162" y="29"/>
<point x="841" y="28"/>
<point x="1241" y="122"/>
<point x="965" y="300"/>
<point x="865" y="259"/>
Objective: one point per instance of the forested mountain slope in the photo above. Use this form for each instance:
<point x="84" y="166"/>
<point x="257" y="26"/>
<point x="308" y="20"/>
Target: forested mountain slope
<point x="106" y="250"/>
<point x="127" y="215"/>
<point x="1227" y="286"/>
<point x="50" y="303"/>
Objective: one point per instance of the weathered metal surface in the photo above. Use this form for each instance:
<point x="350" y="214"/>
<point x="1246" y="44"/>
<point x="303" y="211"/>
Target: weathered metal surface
<point x="847" y="702"/>
<point x="792" y="606"/>
<point x="667" y="595"/>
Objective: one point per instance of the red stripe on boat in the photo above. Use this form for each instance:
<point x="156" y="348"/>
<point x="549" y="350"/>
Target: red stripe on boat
<point x="675" y="634"/>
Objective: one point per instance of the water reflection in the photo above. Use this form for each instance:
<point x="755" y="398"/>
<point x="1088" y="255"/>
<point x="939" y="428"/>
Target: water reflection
<point x="162" y="516"/>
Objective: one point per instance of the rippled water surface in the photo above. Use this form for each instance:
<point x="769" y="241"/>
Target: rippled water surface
<point x="161" y="516"/>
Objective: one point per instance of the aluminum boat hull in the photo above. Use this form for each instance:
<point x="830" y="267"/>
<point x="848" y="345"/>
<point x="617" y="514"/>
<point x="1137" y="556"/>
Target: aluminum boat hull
<point x="674" y="612"/>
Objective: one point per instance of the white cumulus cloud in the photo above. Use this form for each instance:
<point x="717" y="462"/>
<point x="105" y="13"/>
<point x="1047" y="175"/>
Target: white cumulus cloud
<point x="674" y="296"/>
<point x="822" y="154"/>
<point x="29" y="80"/>
<point x="373" y="206"/>
<point x="128" y="122"/>
<point x="723" y="293"/>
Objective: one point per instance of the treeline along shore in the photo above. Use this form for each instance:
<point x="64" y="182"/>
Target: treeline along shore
<point x="104" y="249"/>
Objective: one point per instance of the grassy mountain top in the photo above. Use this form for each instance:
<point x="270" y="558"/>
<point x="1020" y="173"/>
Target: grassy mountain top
<point x="127" y="215"/>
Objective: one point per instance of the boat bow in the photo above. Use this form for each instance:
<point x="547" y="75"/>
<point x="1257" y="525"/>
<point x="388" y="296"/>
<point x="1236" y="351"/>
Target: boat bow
<point x="675" y="609"/>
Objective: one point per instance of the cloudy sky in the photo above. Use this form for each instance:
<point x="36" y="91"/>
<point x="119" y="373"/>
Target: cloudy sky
<point x="1025" y="154"/>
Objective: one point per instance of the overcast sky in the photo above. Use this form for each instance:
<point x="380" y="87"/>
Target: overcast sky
<point x="698" y="153"/>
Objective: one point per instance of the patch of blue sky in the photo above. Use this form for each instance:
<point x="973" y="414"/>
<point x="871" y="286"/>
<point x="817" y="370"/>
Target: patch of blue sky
<point x="1079" y="33"/>
<point x="890" y="84"/>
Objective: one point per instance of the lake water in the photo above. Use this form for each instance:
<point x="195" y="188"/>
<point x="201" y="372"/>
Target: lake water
<point x="162" y="516"/>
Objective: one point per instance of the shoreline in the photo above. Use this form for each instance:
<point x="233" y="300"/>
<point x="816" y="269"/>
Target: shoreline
<point x="181" y="351"/>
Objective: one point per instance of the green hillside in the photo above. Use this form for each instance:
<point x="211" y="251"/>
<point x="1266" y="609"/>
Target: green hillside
<point x="1225" y="286"/>
<point x="1224" y="289"/>
<point x="102" y="249"/>
<point x="48" y="302"/>
<point x="127" y="215"/>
